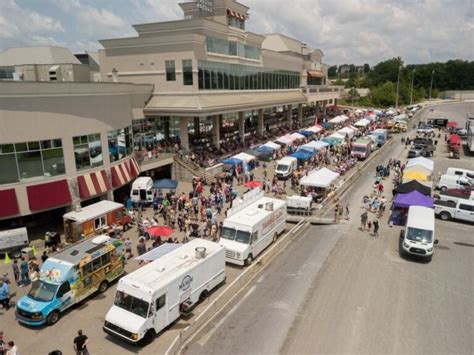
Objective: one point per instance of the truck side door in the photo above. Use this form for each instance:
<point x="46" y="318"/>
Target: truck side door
<point x="64" y="295"/>
<point x="160" y="317"/>
<point x="465" y="212"/>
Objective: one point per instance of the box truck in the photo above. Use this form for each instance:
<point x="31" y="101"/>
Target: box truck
<point x="142" y="190"/>
<point x="12" y="241"/>
<point x="361" y="148"/>
<point x="154" y="296"/>
<point x="251" y="226"/>
<point x="94" y="219"/>
<point x="70" y="276"/>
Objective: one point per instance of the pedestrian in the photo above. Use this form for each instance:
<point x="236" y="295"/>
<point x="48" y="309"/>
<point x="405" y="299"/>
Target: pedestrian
<point x="44" y="257"/>
<point x="2" y="343"/>
<point x="376" y="228"/>
<point x="141" y="248"/>
<point x="24" y="272"/>
<point x="369" y="225"/>
<point x="16" y="272"/>
<point x="128" y="248"/>
<point x="347" y="212"/>
<point x="12" y="348"/>
<point x="80" y="343"/>
<point x="4" y="295"/>
<point x="363" y="220"/>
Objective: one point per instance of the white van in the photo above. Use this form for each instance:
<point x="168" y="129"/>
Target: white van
<point x="142" y="190"/>
<point x="154" y="296"/>
<point x="13" y="240"/>
<point x="251" y="226"/>
<point x="469" y="174"/>
<point x="453" y="182"/>
<point x="285" y="167"/>
<point x="418" y="237"/>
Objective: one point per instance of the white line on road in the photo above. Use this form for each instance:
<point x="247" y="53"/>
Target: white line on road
<point x="206" y="337"/>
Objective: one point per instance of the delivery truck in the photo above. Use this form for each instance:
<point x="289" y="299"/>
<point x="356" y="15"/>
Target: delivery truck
<point x="154" y="296"/>
<point x="95" y="219"/>
<point x="142" y="190"/>
<point x="12" y="241"/>
<point x="251" y="226"/>
<point x="361" y="148"/>
<point x="70" y="276"/>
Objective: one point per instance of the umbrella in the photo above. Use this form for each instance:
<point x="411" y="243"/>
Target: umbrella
<point x="161" y="231"/>
<point x="253" y="184"/>
<point x="165" y="184"/>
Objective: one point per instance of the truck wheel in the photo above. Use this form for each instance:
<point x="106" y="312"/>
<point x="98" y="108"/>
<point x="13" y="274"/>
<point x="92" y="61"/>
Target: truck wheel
<point x="16" y="254"/>
<point x="203" y="295"/>
<point x="104" y="285"/>
<point x="445" y="216"/>
<point x="249" y="260"/>
<point x="443" y="188"/>
<point x="52" y="318"/>
<point x="147" y="338"/>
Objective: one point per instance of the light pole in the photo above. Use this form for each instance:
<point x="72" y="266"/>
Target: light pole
<point x="352" y="97"/>
<point x="431" y="84"/>
<point x="411" y="91"/>
<point x="398" y="86"/>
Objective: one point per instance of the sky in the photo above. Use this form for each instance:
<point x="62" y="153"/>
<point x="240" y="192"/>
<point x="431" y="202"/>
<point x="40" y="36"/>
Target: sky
<point x="347" y="31"/>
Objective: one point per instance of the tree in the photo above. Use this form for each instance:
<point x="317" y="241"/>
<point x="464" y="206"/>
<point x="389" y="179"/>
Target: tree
<point x="366" y="68"/>
<point x="332" y="71"/>
<point x="384" y="95"/>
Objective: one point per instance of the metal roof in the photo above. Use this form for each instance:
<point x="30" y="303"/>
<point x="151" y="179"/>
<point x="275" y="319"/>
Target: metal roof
<point x="97" y="209"/>
<point x="74" y="253"/>
<point x="37" y="55"/>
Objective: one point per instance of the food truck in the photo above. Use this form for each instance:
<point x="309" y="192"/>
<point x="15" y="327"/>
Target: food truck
<point x="95" y="219"/>
<point x="69" y="277"/>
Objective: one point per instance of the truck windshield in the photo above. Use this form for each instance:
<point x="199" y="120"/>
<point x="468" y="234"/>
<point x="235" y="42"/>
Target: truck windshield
<point x="282" y="167"/>
<point x="359" y="149"/>
<point x="228" y="233"/>
<point x="419" y="235"/>
<point x="132" y="304"/>
<point x="242" y="237"/>
<point x="42" y="291"/>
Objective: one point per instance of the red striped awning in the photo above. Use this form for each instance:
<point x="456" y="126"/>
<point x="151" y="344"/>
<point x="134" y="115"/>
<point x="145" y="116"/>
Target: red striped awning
<point x="9" y="203"/>
<point x="242" y="17"/>
<point x="93" y="184"/>
<point x="315" y="73"/>
<point x="49" y="195"/>
<point x="134" y="168"/>
<point x="120" y="174"/>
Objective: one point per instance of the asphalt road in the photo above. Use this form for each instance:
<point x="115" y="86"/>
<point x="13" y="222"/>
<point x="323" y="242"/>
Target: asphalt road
<point x="364" y="298"/>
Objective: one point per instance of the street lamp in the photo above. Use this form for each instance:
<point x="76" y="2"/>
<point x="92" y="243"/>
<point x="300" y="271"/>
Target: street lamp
<point x="431" y="85"/>
<point x="411" y="91"/>
<point x="398" y="86"/>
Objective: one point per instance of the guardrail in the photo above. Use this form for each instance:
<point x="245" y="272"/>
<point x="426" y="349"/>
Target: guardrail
<point x="234" y="289"/>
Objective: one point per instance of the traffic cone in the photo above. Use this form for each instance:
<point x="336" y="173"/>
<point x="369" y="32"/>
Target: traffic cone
<point x="34" y="250"/>
<point x="7" y="259"/>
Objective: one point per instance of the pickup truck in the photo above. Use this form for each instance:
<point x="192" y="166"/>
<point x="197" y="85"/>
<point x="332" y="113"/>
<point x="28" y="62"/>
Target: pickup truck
<point x="462" y="210"/>
<point x="418" y="150"/>
<point x="427" y="142"/>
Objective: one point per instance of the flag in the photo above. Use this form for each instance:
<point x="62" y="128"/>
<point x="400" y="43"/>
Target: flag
<point x="7" y="259"/>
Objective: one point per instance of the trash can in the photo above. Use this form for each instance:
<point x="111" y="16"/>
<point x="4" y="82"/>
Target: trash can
<point x="27" y="253"/>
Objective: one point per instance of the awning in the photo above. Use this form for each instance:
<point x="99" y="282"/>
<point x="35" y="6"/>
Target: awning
<point x="429" y="164"/>
<point x="315" y="73"/>
<point x="302" y="155"/>
<point x="414" y="198"/>
<point x="272" y="145"/>
<point x="244" y="157"/>
<point x="120" y="175"/>
<point x="93" y="184"/>
<point x="49" y="195"/>
<point x="134" y="169"/>
<point x="9" y="203"/>
<point x="413" y="185"/>
<point x="296" y="136"/>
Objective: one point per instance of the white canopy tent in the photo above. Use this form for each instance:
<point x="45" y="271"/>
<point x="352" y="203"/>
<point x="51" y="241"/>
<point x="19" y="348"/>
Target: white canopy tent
<point x="272" y="145"/>
<point x="362" y="123"/>
<point x="244" y="157"/>
<point x="346" y="130"/>
<point x="320" y="178"/>
<point x="316" y="145"/>
<point x="296" y="136"/>
<point x="339" y="119"/>
<point x="338" y="136"/>
<point x="314" y="129"/>
<point x="427" y="163"/>
<point x="285" y="139"/>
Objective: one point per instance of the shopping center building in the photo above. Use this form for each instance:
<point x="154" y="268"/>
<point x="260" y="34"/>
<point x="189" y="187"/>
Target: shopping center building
<point x="202" y="79"/>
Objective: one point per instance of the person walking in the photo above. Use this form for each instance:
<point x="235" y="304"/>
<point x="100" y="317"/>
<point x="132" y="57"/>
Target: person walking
<point x="363" y="220"/>
<point x="80" y="343"/>
<point x="16" y="271"/>
<point x="4" y="295"/>
<point x="336" y="213"/>
<point x="12" y="348"/>
<point x="347" y="212"/>
<point x="376" y="228"/>
<point x="141" y="248"/>
<point x="24" y="272"/>
<point x="128" y="248"/>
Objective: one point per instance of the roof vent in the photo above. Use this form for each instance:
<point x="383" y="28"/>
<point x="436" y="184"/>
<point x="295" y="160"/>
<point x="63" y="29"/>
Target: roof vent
<point x="200" y="252"/>
<point x="269" y="206"/>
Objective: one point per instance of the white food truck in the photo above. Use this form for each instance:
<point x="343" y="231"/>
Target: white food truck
<point x="251" y="226"/>
<point x="154" y="296"/>
<point x="142" y="190"/>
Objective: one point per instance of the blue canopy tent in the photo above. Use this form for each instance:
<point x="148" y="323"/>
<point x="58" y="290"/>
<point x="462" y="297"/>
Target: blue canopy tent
<point x="265" y="149"/>
<point x="302" y="155"/>
<point x="164" y="184"/>
<point x="232" y="161"/>
<point x="306" y="148"/>
<point x="306" y="133"/>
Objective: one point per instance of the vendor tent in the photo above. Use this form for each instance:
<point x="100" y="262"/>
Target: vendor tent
<point x="306" y="133"/>
<point x="338" y="136"/>
<point x="232" y="161"/>
<point x="346" y="131"/>
<point x="414" y="198"/>
<point x="418" y="169"/>
<point x="316" y="128"/>
<point x="244" y="157"/>
<point x="302" y="155"/>
<point x="413" y="185"/>
<point x="339" y="119"/>
<point x="272" y="145"/>
<point x="265" y="149"/>
<point x="319" y="178"/>
<point x="285" y="139"/>
<point x="421" y="161"/>
<point x="314" y="145"/>
<point x="452" y="124"/>
<point x="362" y="123"/>
<point x="296" y="136"/>
<point x="414" y="175"/>
<point x="332" y="140"/>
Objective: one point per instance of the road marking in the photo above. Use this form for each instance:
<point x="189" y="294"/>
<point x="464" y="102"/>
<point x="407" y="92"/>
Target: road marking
<point x="206" y="337"/>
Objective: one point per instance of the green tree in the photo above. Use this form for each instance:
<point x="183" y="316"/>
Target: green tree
<point x="384" y="95"/>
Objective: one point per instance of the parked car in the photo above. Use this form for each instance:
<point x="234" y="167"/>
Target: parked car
<point x="418" y="151"/>
<point x="461" y="209"/>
